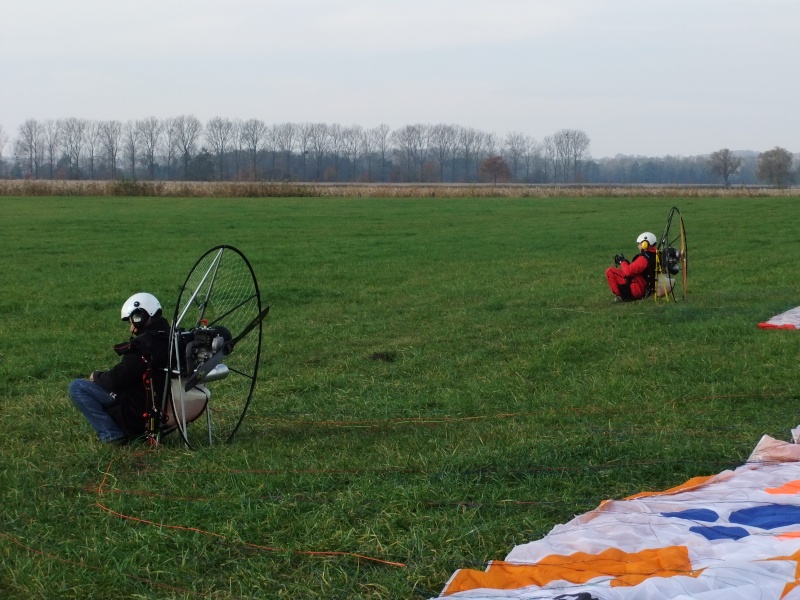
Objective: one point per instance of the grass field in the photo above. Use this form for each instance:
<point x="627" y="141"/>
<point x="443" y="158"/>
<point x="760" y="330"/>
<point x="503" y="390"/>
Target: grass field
<point x="441" y="380"/>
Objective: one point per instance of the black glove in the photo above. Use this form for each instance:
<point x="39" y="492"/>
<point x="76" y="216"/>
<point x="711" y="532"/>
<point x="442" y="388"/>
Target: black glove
<point x="619" y="259"/>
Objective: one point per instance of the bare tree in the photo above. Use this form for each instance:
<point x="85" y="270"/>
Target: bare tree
<point x="443" y="144"/>
<point x="336" y="145"/>
<point x="170" y="143"/>
<point x="320" y="142"/>
<point x="468" y="139"/>
<point x="402" y="142"/>
<point x="535" y="166"/>
<point x="74" y="132"/>
<point x="304" y="143"/>
<point x="29" y="145"/>
<point x="486" y="147"/>
<point x="237" y="142"/>
<point x="514" y="148"/>
<point x="271" y="148"/>
<point x="579" y="151"/>
<point x="422" y="146"/>
<point x="285" y="140"/>
<point x="94" y="136"/>
<point x="3" y="142"/>
<point x="219" y="132"/>
<point x="188" y="129"/>
<point x="51" y="134"/>
<point x="254" y="133"/>
<point x="412" y="146"/>
<point x="130" y="145"/>
<point x="548" y="158"/>
<point x="149" y="132"/>
<point x="561" y="155"/>
<point x="381" y="136"/>
<point x="724" y="164"/>
<point x="111" y="140"/>
<point x="775" y="167"/>
<point x="569" y="147"/>
<point x="368" y="147"/>
<point x="352" y="146"/>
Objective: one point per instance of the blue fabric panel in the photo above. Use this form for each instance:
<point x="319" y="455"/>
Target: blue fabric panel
<point x="720" y="532"/>
<point x="769" y="516"/>
<point x="694" y="514"/>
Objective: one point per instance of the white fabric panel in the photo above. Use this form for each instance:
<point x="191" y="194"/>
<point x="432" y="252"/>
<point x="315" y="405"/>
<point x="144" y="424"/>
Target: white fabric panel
<point x="788" y="318"/>
<point x="759" y="564"/>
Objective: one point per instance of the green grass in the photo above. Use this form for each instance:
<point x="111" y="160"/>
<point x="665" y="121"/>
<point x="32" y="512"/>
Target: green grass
<point x="441" y="380"/>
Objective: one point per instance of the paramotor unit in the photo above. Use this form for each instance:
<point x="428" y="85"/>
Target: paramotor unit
<point x="672" y="259"/>
<point x="215" y="345"/>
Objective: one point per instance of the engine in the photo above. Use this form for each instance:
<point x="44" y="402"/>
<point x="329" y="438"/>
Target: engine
<point x="197" y="345"/>
<point x="673" y="260"/>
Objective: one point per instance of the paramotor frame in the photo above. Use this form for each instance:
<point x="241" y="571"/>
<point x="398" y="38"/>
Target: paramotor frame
<point x="215" y="339"/>
<point x="672" y="259"/>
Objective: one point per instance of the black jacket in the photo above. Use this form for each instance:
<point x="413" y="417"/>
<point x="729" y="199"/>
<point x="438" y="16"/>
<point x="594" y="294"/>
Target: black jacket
<point x="126" y="380"/>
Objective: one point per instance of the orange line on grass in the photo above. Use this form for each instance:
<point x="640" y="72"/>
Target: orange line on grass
<point x="100" y="493"/>
<point x="99" y="569"/>
<point x="445" y="419"/>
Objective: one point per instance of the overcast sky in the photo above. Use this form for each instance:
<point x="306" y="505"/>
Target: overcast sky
<point x="649" y="77"/>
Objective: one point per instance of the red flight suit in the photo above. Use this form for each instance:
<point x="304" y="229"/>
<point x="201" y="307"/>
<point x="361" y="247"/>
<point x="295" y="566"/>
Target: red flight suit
<point x="631" y="280"/>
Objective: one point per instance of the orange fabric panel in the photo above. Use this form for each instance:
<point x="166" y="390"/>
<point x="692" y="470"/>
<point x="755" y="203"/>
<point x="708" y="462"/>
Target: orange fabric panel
<point x="624" y="568"/>
<point x="694" y="482"/>
<point x="792" y="584"/>
<point x="792" y="487"/>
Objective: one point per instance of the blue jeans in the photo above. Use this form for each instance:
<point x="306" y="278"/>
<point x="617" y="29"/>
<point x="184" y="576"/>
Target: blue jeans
<point x="91" y="400"/>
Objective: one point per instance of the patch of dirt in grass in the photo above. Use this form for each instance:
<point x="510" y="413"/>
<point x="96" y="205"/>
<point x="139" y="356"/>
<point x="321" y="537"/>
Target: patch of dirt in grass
<point x="388" y="357"/>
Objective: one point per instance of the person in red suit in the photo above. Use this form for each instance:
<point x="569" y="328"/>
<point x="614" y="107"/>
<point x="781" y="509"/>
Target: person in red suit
<point x="634" y="280"/>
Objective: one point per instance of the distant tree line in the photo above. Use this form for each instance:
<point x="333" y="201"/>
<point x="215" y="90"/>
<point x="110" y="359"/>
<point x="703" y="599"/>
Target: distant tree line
<point x="183" y="148"/>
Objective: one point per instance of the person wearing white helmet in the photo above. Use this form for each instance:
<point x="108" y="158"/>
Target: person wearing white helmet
<point x="115" y="401"/>
<point x="634" y="280"/>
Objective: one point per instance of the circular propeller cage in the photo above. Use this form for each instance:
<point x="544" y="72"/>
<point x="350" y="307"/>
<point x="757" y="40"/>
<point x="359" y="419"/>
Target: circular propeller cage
<point x="217" y="322"/>
<point x="672" y="265"/>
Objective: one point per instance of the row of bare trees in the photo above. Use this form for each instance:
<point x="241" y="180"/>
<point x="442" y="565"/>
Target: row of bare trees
<point x="80" y="148"/>
<point x="774" y="167"/>
<point x="3" y="142"/>
<point x="225" y="149"/>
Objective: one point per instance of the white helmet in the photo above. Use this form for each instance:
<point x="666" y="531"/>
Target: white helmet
<point x="140" y="307"/>
<point x="650" y="238"/>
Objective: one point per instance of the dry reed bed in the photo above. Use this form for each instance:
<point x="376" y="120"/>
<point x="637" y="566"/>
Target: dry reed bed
<point x="195" y="189"/>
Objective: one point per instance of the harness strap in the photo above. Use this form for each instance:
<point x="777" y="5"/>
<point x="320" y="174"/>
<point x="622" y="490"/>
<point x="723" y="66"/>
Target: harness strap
<point x="152" y="415"/>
